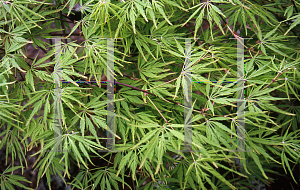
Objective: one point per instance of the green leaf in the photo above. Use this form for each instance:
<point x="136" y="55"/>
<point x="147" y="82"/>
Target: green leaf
<point x="294" y="24"/>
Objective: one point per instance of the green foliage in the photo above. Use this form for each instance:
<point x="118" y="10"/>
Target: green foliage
<point x="8" y="181"/>
<point x="150" y="65"/>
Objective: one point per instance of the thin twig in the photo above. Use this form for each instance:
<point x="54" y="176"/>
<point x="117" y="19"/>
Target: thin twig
<point x="295" y="6"/>
<point x="158" y="110"/>
<point x="236" y="36"/>
<point x="163" y="84"/>
<point x="145" y="91"/>
<point x="190" y="29"/>
<point x="192" y="32"/>
<point x="276" y="78"/>
<point x="67" y="17"/>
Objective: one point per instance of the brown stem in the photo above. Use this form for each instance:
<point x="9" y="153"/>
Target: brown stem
<point x="190" y="29"/>
<point x="275" y="78"/>
<point x="145" y="91"/>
